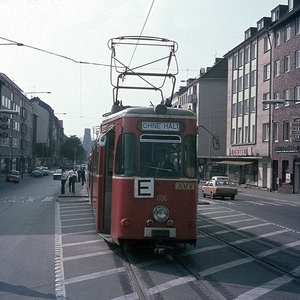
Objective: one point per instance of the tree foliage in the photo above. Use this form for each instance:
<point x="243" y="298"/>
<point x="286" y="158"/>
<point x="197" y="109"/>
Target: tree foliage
<point x="73" y="143"/>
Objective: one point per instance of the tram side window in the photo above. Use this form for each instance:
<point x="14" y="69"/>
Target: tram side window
<point x="125" y="155"/>
<point x="190" y="156"/>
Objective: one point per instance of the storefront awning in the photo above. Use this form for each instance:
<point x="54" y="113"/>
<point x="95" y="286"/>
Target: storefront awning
<point x="235" y="162"/>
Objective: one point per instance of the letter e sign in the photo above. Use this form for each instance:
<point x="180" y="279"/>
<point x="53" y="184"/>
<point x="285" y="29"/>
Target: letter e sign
<point x="143" y="187"/>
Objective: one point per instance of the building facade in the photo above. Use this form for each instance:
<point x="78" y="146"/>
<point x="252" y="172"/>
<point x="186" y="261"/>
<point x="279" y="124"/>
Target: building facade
<point x="16" y="149"/>
<point x="29" y="137"/>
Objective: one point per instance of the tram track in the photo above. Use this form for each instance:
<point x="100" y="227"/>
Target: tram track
<point x="145" y="288"/>
<point x="287" y="250"/>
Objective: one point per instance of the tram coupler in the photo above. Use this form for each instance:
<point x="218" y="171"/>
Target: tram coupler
<point x="163" y="250"/>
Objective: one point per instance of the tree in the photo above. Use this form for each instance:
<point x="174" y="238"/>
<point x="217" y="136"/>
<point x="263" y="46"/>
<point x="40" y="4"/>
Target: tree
<point x="73" y="143"/>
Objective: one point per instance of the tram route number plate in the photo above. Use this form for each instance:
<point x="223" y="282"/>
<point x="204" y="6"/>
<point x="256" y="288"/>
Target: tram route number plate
<point x="143" y="187"/>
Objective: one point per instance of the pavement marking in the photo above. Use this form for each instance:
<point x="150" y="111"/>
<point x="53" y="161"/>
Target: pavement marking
<point x="277" y="249"/>
<point x="93" y="275"/>
<point x="47" y="199"/>
<point x="99" y="253"/>
<point x="78" y="225"/>
<point x="226" y="266"/>
<point x="265" y="288"/>
<point x="169" y="284"/>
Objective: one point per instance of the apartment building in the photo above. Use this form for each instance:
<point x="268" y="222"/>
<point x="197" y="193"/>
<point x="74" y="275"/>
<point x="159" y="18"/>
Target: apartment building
<point x="253" y="68"/>
<point x="286" y="86"/>
<point x="206" y="97"/>
<point x="30" y="137"/>
<point x="16" y="148"/>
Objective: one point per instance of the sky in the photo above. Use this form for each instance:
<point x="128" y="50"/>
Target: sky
<point x="60" y="33"/>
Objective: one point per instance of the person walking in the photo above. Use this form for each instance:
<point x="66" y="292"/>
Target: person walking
<point x="64" y="177"/>
<point x="82" y="174"/>
<point x="72" y="180"/>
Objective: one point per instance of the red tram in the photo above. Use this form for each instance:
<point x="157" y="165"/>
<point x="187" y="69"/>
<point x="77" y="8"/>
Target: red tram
<point x="143" y="183"/>
<point x="143" y="168"/>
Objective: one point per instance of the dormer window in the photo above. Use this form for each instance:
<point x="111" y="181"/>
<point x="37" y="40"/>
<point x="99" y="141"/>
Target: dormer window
<point x="260" y="24"/>
<point x="275" y="15"/>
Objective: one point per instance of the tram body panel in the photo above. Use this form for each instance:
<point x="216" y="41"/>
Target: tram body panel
<point x="130" y="214"/>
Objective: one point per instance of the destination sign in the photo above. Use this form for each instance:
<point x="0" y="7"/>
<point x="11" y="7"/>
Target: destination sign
<point x="160" y="126"/>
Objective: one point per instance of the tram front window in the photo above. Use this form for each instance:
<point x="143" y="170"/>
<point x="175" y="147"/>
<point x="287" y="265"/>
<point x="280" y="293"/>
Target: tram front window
<point x="160" y="156"/>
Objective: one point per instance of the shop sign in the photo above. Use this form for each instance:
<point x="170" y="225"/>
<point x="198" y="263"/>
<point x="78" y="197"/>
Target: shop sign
<point x="239" y="152"/>
<point x="290" y="148"/>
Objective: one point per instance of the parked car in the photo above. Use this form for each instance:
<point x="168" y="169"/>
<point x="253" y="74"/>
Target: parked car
<point x="57" y="174"/>
<point x="37" y="172"/>
<point x="13" y="176"/>
<point x="219" y="188"/>
<point x="45" y="170"/>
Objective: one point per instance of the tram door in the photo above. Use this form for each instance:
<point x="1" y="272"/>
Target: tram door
<point x="108" y="171"/>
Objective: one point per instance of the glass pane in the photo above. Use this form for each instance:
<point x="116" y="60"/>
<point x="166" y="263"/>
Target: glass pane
<point x="125" y="155"/>
<point x="160" y="156"/>
<point x="190" y="156"/>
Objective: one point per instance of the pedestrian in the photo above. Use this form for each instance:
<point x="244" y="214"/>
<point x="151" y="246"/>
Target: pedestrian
<point x="72" y="179"/>
<point x="82" y="176"/>
<point x="64" y="177"/>
<point x="79" y="174"/>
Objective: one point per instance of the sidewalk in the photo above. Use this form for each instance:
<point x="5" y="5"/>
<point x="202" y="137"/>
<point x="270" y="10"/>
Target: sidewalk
<point x="80" y="192"/>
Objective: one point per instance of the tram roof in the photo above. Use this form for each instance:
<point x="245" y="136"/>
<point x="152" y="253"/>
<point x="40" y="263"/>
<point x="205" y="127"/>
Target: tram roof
<point x="150" y="112"/>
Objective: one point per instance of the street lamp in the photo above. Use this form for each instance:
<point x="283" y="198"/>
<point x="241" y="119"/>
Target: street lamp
<point x="8" y="111"/>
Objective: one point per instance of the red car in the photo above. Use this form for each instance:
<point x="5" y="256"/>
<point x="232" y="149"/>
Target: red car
<point x="219" y="188"/>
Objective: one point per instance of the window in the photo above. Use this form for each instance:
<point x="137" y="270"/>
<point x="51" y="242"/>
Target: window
<point x="246" y="137"/>
<point x="277" y="38"/>
<point x="241" y="58"/>
<point x="161" y="156"/>
<point x="267" y="45"/>
<point x="275" y="132"/>
<point x="297" y="93"/>
<point x="190" y="156"/>
<point x="287" y="32"/>
<point x="286" y="96"/>
<point x="247" y="54"/>
<point x="234" y="86"/>
<point x="286" y="129"/>
<point x="253" y="78"/>
<point x="125" y="155"/>
<point x="287" y="63"/>
<point x="240" y="108"/>
<point x="235" y="62"/>
<point x="239" y="135"/>
<point x="285" y="167"/>
<point x="252" y="104"/>
<point x="297" y="59"/>
<point x="265" y="133"/>
<point x="276" y="96"/>
<point x="298" y="26"/>
<point x="233" y="110"/>
<point x="266" y="96"/>
<point x="277" y="68"/>
<point x="246" y="106"/>
<point x="253" y="133"/>
<point x="253" y="50"/>
<point x="246" y="80"/>
<point x="275" y="15"/>
<point x="240" y="83"/>
<point x="267" y="72"/>
<point x="232" y="138"/>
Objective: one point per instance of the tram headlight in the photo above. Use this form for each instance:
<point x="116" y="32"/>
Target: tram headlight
<point x="160" y="213"/>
